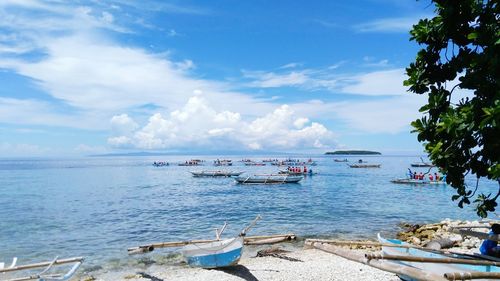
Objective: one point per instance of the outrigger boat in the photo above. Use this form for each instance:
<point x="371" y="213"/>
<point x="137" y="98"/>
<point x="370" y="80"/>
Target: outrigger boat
<point x="45" y="274"/>
<point x="415" y="263"/>
<point x="252" y="163"/>
<point x="290" y="172"/>
<point x="223" y="162"/>
<point x="414" y="181"/>
<point x="205" y="253"/>
<point x="365" y="166"/>
<point x="268" y="179"/>
<point x="422" y="164"/>
<point x="452" y="266"/>
<point x="217" y="173"/>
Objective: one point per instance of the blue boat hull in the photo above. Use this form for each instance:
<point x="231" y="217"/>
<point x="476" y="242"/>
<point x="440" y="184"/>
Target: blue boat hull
<point x="216" y="260"/>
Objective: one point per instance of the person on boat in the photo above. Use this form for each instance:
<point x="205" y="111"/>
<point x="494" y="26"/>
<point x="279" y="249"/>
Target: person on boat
<point x="436" y="176"/>
<point x="490" y="247"/>
<point x="431" y="178"/>
<point x="305" y="169"/>
<point x="360" y="161"/>
<point x="410" y="174"/>
<point x="421" y="176"/>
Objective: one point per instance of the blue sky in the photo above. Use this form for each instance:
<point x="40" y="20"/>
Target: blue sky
<point x="86" y="77"/>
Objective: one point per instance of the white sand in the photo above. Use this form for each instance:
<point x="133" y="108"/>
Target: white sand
<point x="316" y="265"/>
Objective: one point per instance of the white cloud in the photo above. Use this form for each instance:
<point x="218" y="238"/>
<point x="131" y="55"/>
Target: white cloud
<point x="400" y="24"/>
<point x="123" y="124"/>
<point x="274" y="80"/>
<point x="197" y="124"/>
<point x="377" y="83"/>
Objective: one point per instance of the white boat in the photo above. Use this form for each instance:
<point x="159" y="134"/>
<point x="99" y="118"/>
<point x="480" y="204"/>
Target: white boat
<point x="217" y="173"/>
<point x="216" y="254"/>
<point x="46" y="274"/>
<point x="222" y="253"/>
<point x="418" y="182"/>
<point x="268" y="179"/>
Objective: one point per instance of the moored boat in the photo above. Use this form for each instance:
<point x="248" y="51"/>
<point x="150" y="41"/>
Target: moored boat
<point x="252" y="163"/>
<point x="365" y="166"/>
<point x="218" y="173"/>
<point x="415" y="181"/>
<point x="422" y="165"/>
<point x="223" y="162"/>
<point x="340" y="160"/>
<point x="268" y="179"/>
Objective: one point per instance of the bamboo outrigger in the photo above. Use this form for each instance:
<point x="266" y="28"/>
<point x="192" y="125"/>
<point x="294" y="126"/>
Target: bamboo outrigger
<point x="43" y="275"/>
<point x="248" y="240"/>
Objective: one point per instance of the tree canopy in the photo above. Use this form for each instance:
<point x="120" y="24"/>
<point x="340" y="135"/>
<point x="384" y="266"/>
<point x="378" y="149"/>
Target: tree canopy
<point x="458" y="69"/>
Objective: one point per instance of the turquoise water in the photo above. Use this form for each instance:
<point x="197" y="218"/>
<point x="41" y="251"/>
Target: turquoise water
<point x="98" y="207"/>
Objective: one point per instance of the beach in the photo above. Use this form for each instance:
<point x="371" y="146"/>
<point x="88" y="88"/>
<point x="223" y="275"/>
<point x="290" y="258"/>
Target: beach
<point x="313" y="265"/>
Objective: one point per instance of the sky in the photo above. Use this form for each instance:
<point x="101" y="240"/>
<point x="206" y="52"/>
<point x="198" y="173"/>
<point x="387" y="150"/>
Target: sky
<point x="91" y="77"/>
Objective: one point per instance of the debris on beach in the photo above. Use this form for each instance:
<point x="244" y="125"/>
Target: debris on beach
<point x="429" y="235"/>
<point x="276" y="252"/>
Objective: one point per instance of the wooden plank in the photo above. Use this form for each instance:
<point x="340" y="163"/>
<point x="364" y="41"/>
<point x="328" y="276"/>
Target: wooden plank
<point x="430" y="260"/>
<point x="399" y="269"/>
<point x="41" y="264"/>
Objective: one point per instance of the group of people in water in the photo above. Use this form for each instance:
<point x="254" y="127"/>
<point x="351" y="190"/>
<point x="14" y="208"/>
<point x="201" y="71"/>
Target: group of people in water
<point x="421" y="176"/>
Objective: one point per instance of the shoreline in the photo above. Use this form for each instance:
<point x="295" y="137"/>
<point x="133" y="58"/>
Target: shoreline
<point x="306" y="265"/>
<point x="293" y="263"/>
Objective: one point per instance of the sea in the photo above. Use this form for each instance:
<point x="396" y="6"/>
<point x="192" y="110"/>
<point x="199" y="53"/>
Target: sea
<point x="97" y="207"/>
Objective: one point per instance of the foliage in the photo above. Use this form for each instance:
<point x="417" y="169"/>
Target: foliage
<point x="460" y="128"/>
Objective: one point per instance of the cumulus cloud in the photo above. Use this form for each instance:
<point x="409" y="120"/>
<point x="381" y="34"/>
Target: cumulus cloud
<point x="197" y="124"/>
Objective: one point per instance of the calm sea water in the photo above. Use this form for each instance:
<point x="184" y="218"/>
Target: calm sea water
<point x="98" y="207"/>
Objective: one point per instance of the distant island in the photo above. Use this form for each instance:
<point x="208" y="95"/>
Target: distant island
<point x="353" y="152"/>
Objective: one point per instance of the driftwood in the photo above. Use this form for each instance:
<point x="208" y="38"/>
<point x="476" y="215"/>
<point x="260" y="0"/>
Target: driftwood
<point x="430" y="260"/>
<point x="276" y="253"/>
<point x="249" y="240"/>
<point x="383" y="265"/>
<point x="471" y="275"/>
<point x="41" y="264"/>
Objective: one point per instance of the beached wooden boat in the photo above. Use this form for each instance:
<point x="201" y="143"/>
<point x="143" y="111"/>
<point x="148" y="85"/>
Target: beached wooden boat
<point x="414" y="181"/>
<point x="209" y="253"/>
<point x="218" y="173"/>
<point x="222" y="253"/>
<point x="268" y="179"/>
<point x="365" y="166"/>
<point x="437" y="263"/>
<point x="46" y="274"/>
